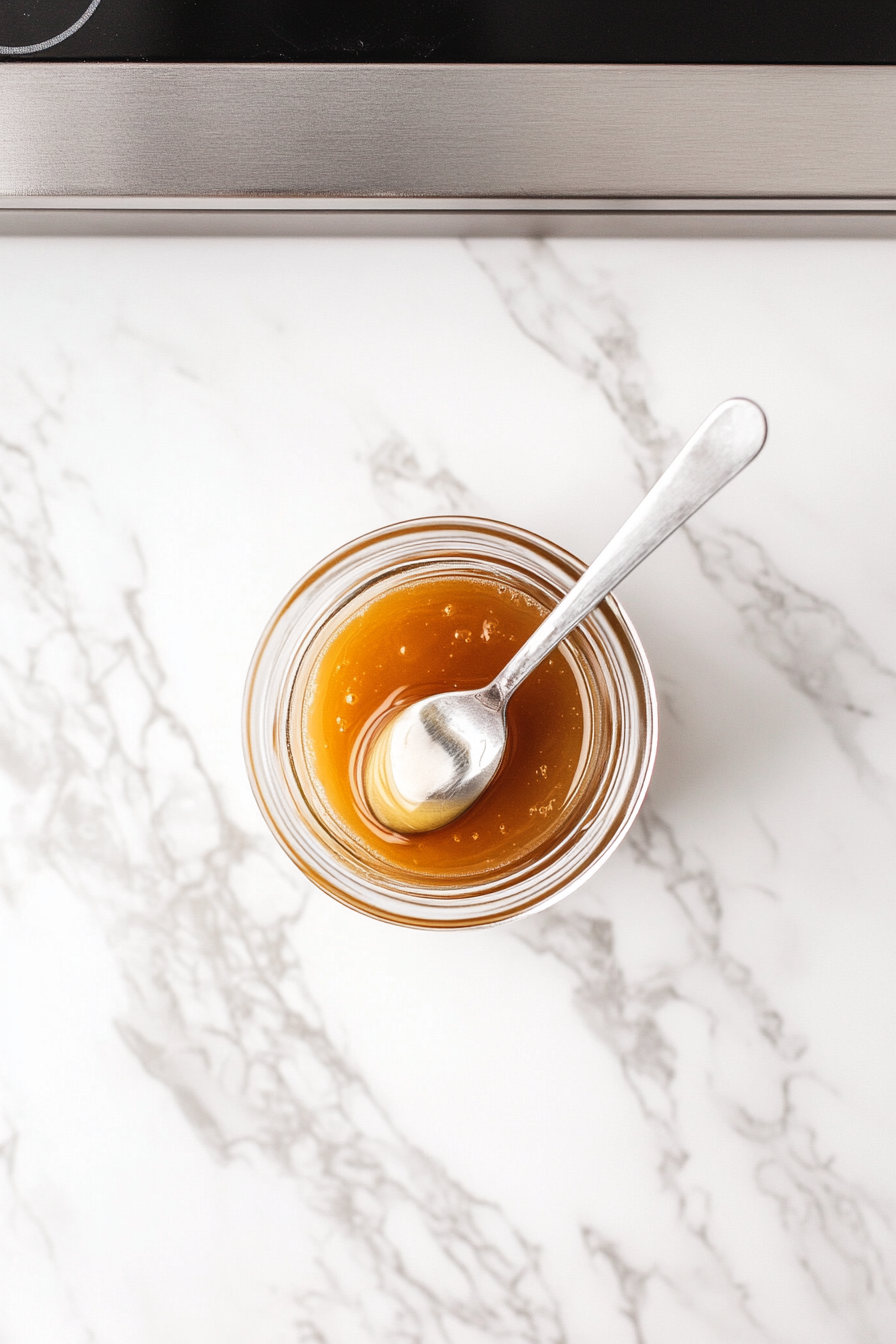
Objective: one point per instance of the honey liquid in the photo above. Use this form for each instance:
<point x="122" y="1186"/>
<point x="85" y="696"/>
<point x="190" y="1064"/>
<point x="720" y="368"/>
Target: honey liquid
<point x="441" y="633"/>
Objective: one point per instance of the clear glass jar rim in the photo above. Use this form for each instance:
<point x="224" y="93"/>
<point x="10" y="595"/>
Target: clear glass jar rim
<point x="315" y="599"/>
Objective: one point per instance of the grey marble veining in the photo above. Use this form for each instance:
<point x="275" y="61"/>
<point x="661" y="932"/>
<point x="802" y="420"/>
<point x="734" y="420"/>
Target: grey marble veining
<point x="839" y="1235"/>
<point x="117" y="804"/>
<point x="582" y="324"/>
<point x="658" y="1113"/>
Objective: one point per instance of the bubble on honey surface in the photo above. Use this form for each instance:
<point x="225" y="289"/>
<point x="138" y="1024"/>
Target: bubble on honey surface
<point x="449" y="610"/>
<point x="465" y="635"/>
<point x="543" y="771"/>
<point x="475" y="835"/>
<point x="403" y="648"/>
<point x="350" y="699"/>
<point x="488" y="629"/>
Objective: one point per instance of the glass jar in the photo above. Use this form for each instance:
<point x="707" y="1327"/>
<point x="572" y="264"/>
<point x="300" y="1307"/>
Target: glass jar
<point x="619" y="755"/>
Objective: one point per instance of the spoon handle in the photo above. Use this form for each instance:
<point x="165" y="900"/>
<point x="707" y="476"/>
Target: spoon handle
<point x="723" y="445"/>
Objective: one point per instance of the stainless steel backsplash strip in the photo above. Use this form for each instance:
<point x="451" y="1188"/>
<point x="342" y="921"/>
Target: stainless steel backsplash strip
<point x="447" y="148"/>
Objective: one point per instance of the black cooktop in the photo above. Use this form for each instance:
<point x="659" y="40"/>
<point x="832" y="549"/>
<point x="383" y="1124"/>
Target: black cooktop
<point x="861" y="32"/>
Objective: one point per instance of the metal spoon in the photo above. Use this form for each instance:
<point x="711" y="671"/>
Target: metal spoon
<point x="431" y="761"/>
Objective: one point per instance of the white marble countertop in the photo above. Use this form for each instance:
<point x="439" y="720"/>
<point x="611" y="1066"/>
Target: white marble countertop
<point x="234" y="1112"/>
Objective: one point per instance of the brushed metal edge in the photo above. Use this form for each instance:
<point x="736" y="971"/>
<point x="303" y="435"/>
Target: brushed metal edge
<point x="488" y="137"/>
<point x="607" y="206"/>
<point x="447" y="223"/>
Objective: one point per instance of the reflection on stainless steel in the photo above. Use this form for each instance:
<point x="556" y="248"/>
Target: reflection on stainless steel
<point x="433" y="760"/>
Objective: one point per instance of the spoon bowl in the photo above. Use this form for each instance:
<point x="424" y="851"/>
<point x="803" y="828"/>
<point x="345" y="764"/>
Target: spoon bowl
<point x="431" y="761"/>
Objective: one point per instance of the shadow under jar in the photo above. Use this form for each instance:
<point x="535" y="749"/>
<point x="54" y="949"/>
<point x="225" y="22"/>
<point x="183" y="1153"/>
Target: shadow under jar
<point x="581" y="736"/>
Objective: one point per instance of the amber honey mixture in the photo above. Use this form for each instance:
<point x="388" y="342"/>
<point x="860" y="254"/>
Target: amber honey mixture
<point x="436" y="634"/>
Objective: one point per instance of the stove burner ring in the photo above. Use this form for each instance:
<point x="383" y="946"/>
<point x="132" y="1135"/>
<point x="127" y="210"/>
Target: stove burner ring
<point x="52" y="41"/>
